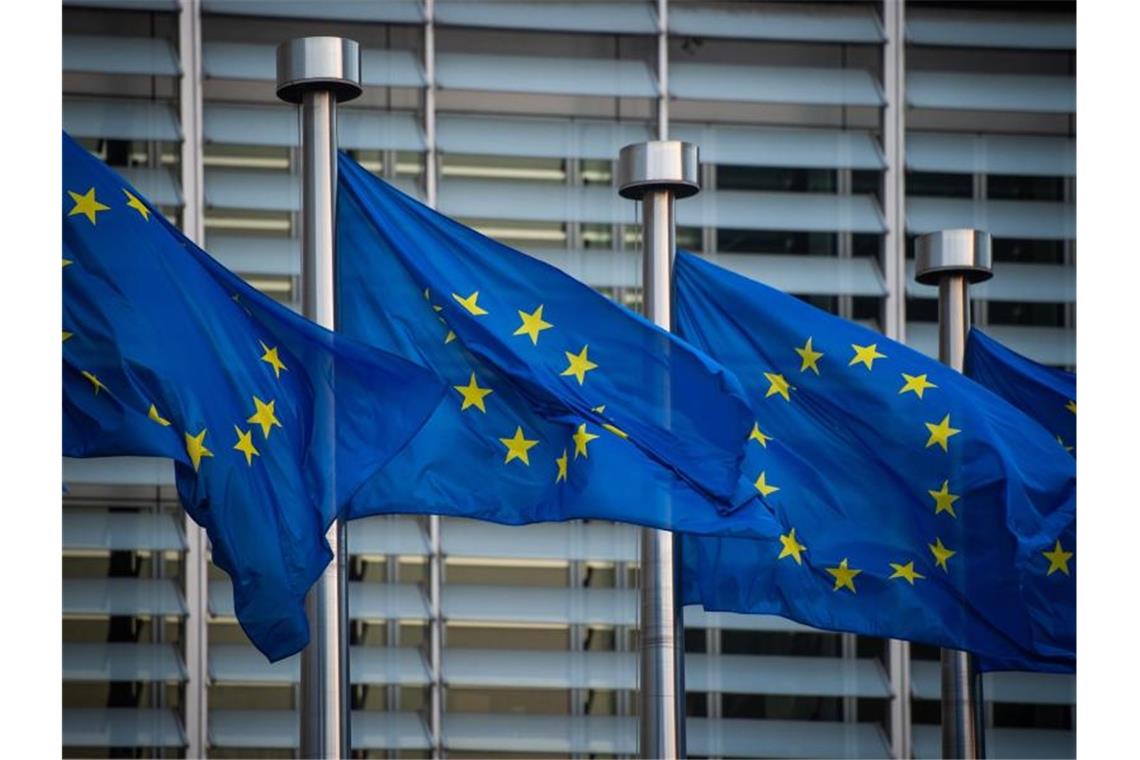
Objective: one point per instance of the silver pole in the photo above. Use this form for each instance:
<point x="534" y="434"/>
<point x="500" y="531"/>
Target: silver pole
<point x="657" y="173"/>
<point x="197" y="575"/>
<point x="317" y="73"/>
<point x="953" y="259"/>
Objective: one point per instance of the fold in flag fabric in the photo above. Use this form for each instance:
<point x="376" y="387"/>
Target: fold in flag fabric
<point x="1047" y="394"/>
<point x="168" y="354"/>
<point x="561" y="405"/>
<point x="912" y="502"/>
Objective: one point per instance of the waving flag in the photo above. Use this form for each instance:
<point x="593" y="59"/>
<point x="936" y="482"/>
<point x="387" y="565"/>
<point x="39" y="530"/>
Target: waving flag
<point x="912" y="502"/>
<point x="166" y="353"/>
<point x="561" y="405"/>
<point x="1047" y="394"/>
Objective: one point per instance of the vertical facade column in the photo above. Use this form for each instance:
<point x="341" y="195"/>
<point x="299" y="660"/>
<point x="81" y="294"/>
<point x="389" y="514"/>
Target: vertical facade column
<point x="894" y="176"/>
<point x="845" y="242"/>
<point x="1069" y="252"/>
<point x="431" y="161"/>
<point x="622" y="639"/>
<point x="662" y="69"/>
<point x="196" y="712"/>
<point x="893" y="314"/>
<point x="708" y="232"/>
<point x="979" y="310"/>
<point x="435" y="542"/>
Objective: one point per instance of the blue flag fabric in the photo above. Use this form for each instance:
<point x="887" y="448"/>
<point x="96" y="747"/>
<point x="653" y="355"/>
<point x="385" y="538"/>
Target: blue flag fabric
<point x="1047" y="394"/>
<point x="562" y="405"/>
<point x="166" y="353"/>
<point x="912" y="502"/>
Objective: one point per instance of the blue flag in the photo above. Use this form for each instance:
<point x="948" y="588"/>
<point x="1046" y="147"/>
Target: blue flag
<point x="166" y="353"/>
<point x="561" y="405"/>
<point x="1047" y="394"/>
<point x="912" y="503"/>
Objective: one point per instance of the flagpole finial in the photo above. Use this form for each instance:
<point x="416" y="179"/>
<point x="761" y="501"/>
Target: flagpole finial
<point x="963" y="252"/>
<point x="658" y="165"/>
<point x="318" y="63"/>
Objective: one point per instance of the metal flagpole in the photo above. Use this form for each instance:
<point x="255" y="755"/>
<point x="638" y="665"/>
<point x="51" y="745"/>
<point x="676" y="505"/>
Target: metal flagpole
<point x="953" y="260"/>
<point x="656" y="173"/>
<point x="317" y="73"/>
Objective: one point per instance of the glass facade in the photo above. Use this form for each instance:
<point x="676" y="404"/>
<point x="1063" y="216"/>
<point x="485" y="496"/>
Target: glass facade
<point x="831" y="135"/>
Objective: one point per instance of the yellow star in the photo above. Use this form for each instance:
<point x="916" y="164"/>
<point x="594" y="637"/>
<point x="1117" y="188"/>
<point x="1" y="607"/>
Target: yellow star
<point x="94" y="381"/>
<point x="580" y="364"/>
<point x="1071" y="406"/>
<point x="906" y="572"/>
<point x="245" y="445"/>
<point x="66" y="335"/>
<point x="67" y="263"/>
<point x="1059" y="439"/>
<point x="471" y="303"/>
<point x="264" y="416"/>
<point x="271" y="358"/>
<point x="810" y="357"/>
<point x="86" y="204"/>
<point x="613" y="429"/>
<point x="941" y="553"/>
<point x="792" y="547"/>
<point x="153" y="414"/>
<point x="943" y="499"/>
<point x="778" y="385"/>
<point x="844" y="576"/>
<point x="916" y="383"/>
<point x="532" y="324"/>
<point x="473" y="395"/>
<point x="1058" y="559"/>
<point x="581" y="438"/>
<point x="940" y="433"/>
<point x="450" y="334"/>
<point x="562" y="462"/>
<point x="866" y="355"/>
<point x="137" y="205"/>
<point x="518" y="447"/>
<point x="196" y="448"/>
<point x="764" y="487"/>
<point x="758" y="435"/>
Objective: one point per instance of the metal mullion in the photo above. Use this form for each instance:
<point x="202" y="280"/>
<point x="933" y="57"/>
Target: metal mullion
<point x="894" y="303"/>
<point x="979" y="307"/>
<point x="844" y="242"/>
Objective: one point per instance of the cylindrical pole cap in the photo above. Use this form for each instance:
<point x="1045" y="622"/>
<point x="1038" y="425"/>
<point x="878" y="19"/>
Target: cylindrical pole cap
<point x="658" y="165"/>
<point x="318" y="63"/>
<point x="953" y="252"/>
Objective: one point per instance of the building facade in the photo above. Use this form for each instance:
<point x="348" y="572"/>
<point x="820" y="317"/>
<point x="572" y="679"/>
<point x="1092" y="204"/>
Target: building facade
<point x="831" y="133"/>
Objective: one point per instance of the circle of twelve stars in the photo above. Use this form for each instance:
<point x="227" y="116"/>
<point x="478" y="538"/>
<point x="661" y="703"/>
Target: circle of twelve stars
<point x="578" y="365"/>
<point x="939" y="434"/>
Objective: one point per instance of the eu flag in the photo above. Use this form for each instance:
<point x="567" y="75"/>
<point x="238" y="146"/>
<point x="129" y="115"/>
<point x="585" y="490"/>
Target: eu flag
<point x="561" y="404"/>
<point x="1047" y="394"/>
<point x="912" y="502"/>
<point x="166" y="353"/>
